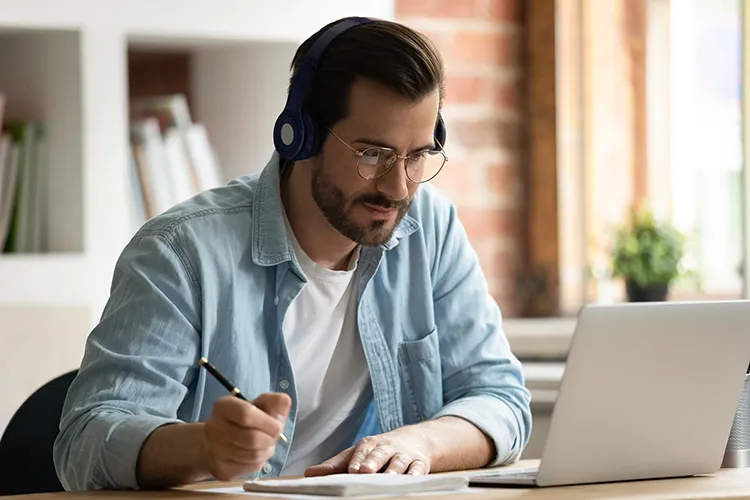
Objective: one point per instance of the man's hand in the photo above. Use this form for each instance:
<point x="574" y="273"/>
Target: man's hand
<point x="402" y="451"/>
<point x="240" y="436"/>
<point x="445" y="444"/>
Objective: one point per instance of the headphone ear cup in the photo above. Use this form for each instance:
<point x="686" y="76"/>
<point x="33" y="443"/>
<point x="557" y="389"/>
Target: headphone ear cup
<point x="289" y="134"/>
<point x="440" y="131"/>
<point x="294" y="134"/>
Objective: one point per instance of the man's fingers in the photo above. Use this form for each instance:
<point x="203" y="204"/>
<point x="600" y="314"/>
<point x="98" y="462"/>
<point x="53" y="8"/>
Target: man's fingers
<point x="376" y="460"/>
<point x="247" y="457"/>
<point x="276" y="404"/>
<point x="319" y="470"/>
<point x="246" y="440"/>
<point x="241" y="436"/>
<point x="418" y="468"/>
<point x="335" y="465"/>
<point x="246" y="415"/>
<point x="399" y="464"/>
<point x="360" y="452"/>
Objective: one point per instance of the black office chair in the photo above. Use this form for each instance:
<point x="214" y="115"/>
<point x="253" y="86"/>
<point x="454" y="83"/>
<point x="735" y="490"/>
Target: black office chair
<point x="26" y="464"/>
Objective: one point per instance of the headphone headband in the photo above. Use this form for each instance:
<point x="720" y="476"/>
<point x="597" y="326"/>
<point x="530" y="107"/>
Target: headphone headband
<point x="306" y="68"/>
<point x="295" y="133"/>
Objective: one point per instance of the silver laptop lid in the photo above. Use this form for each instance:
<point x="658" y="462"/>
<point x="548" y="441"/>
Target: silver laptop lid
<point x="649" y="390"/>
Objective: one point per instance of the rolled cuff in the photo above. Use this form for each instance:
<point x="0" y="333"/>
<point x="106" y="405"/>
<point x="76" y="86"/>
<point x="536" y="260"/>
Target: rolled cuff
<point x="119" y="460"/>
<point x="493" y="417"/>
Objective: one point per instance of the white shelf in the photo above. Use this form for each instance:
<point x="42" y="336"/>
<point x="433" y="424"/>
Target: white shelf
<point x="40" y="78"/>
<point x="227" y="86"/>
<point x="44" y="280"/>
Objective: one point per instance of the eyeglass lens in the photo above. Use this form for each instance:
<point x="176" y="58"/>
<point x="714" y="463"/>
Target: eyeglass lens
<point x="420" y="167"/>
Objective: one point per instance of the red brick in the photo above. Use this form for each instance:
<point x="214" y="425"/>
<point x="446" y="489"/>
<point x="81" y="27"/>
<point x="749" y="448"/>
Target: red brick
<point x="486" y="48"/>
<point x="440" y="39"/>
<point x="507" y="299"/>
<point x="501" y="178"/>
<point x="506" y="95"/>
<point x="483" y="223"/>
<point x="486" y="132"/>
<point x="497" y="263"/>
<point x="509" y="11"/>
<point x="455" y="179"/>
<point x="436" y="8"/>
<point x="464" y="89"/>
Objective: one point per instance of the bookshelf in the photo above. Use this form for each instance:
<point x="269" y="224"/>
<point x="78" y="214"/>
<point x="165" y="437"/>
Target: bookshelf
<point x="65" y="65"/>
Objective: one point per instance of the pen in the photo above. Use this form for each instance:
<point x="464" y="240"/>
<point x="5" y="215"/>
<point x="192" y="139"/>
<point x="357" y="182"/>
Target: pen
<point x="228" y="385"/>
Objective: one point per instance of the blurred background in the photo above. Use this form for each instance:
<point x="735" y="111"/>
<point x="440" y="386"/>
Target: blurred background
<point x="597" y="150"/>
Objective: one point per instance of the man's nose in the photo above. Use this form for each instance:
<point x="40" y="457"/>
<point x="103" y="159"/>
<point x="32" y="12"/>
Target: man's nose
<point x="395" y="184"/>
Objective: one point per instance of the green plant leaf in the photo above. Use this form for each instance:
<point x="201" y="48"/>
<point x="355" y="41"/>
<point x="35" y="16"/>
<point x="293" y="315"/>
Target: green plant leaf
<point x="647" y="251"/>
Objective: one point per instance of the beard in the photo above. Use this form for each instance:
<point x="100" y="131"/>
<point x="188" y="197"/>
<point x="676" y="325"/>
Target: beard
<point x="337" y="208"/>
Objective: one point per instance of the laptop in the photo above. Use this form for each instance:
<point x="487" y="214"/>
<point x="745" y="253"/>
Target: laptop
<point x="649" y="391"/>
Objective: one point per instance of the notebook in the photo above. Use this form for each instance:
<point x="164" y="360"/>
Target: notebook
<point x="358" y="484"/>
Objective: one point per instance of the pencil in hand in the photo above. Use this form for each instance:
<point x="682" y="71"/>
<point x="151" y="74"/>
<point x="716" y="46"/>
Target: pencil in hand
<point x="228" y="385"/>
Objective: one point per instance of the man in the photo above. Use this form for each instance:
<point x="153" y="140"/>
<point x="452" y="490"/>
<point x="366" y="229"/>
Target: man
<point x="338" y="292"/>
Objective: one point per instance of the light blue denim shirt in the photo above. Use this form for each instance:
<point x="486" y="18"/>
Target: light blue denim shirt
<point x="214" y="277"/>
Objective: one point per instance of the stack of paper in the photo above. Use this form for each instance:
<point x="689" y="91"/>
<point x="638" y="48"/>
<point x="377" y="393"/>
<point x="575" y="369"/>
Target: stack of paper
<point x="358" y="484"/>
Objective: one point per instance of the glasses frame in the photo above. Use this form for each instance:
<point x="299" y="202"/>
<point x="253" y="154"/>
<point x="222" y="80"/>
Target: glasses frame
<point x="361" y="152"/>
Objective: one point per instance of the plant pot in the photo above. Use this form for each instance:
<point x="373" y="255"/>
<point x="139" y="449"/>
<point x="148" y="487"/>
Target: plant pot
<point x="650" y="293"/>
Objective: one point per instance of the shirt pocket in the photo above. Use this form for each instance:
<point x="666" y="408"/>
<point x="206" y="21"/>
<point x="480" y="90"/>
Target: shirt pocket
<point x="419" y="361"/>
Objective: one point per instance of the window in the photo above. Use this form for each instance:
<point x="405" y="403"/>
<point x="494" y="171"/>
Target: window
<point x="706" y="130"/>
<point x="649" y="108"/>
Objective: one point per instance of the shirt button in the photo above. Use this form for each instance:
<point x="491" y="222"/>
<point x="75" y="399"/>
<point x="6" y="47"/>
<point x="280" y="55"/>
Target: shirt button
<point x="267" y="468"/>
<point x="284" y="384"/>
<point x="276" y="300"/>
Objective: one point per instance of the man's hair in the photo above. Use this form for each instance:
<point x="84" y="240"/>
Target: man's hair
<point x="385" y="52"/>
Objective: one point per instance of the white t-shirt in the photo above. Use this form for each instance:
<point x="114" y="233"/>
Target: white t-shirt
<point x="329" y="365"/>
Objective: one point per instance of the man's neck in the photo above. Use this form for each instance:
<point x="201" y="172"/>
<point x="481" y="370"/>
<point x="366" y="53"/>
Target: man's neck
<point x="315" y="235"/>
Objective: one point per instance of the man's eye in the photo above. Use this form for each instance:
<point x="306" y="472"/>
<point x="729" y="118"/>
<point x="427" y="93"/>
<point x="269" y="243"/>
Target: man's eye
<point x="371" y="156"/>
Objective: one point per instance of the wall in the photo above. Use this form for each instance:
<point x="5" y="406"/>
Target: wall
<point x="32" y="353"/>
<point x="481" y="43"/>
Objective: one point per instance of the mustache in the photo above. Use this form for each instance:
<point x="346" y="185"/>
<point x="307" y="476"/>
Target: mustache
<point x="382" y="201"/>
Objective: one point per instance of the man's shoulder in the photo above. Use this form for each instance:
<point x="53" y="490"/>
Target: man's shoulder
<point x="210" y="213"/>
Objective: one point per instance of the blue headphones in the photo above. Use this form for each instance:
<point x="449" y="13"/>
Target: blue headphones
<point x="294" y="134"/>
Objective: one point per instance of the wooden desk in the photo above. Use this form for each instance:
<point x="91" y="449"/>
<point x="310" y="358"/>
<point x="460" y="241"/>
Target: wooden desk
<point x="727" y="483"/>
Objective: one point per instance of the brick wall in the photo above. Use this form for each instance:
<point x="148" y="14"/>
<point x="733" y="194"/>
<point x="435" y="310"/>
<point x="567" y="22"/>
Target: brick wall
<point x="481" y="43"/>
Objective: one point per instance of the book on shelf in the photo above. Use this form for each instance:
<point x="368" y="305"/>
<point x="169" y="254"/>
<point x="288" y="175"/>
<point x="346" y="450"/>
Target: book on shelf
<point x="22" y="176"/>
<point x="171" y="157"/>
<point x="170" y="160"/>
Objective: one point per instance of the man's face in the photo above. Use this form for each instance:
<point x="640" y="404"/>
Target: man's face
<point x="367" y="211"/>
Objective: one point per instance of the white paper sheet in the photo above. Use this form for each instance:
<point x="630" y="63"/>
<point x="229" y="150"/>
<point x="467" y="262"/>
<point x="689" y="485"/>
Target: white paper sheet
<point x="237" y="490"/>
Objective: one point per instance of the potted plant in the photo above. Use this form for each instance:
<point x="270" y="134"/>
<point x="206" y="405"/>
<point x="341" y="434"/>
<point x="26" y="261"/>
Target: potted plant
<point x="648" y="255"/>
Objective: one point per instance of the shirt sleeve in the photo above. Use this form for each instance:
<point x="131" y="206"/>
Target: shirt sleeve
<point x="137" y="365"/>
<point x="483" y="381"/>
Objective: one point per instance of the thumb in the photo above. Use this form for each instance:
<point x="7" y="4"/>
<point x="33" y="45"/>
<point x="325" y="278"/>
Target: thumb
<point x="336" y="465"/>
<point x="276" y="404"/>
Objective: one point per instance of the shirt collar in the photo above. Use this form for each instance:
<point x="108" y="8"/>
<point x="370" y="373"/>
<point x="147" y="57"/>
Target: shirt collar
<point x="270" y="244"/>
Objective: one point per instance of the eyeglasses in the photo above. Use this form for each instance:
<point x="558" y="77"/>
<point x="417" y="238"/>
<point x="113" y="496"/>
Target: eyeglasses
<point x="376" y="161"/>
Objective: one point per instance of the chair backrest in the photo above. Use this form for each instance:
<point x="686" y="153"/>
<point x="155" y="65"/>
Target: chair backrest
<point x="26" y="464"/>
